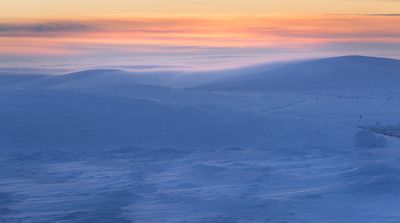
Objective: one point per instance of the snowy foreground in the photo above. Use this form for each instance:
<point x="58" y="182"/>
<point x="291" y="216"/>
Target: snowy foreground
<point x="304" y="142"/>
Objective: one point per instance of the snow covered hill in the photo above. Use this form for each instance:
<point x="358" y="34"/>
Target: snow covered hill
<point x="10" y="79"/>
<point x="54" y="117"/>
<point x="340" y="73"/>
<point x="266" y="143"/>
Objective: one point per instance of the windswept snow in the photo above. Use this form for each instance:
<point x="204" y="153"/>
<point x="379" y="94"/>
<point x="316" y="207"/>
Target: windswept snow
<point x="340" y="73"/>
<point x="299" y="142"/>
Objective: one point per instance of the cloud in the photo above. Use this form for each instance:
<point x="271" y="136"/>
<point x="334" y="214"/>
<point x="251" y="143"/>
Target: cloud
<point x="44" y="28"/>
<point x="370" y="14"/>
<point x="72" y="27"/>
<point x="195" y="39"/>
<point x="389" y="15"/>
<point x="211" y="31"/>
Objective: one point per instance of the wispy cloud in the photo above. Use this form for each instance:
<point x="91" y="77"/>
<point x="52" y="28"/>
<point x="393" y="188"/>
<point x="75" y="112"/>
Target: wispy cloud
<point x="390" y="15"/>
<point x="205" y="37"/>
<point x="371" y="14"/>
<point x="43" y="28"/>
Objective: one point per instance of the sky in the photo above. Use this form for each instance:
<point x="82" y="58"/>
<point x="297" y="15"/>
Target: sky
<point x="201" y="34"/>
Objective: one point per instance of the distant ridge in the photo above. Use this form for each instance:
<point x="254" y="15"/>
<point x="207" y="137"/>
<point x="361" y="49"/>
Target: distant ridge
<point x="97" y="71"/>
<point x="346" y="72"/>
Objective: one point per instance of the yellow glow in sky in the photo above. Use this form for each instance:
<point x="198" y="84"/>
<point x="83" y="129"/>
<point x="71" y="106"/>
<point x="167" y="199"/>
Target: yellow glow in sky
<point x="93" y="32"/>
<point x="93" y="8"/>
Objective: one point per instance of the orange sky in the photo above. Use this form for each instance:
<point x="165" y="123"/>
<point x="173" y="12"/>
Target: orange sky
<point x="199" y="28"/>
<point x="84" y="8"/>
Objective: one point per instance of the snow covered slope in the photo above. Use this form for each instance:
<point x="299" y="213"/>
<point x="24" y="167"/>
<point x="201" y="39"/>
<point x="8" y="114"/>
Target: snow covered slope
<point x="9" y="79"/>
<point x="340" y="73"/>
<point x="49" y="117"/>
<point x="264" y="144"/>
